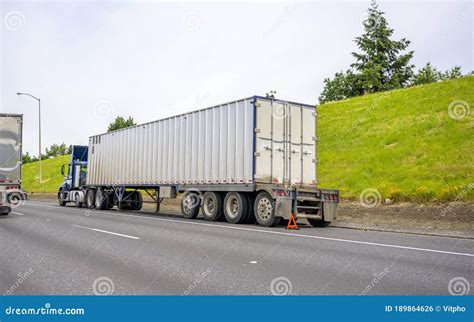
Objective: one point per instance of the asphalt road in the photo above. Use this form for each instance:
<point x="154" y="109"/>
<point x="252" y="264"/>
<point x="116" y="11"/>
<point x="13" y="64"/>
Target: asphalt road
<point x="47" y="249"/>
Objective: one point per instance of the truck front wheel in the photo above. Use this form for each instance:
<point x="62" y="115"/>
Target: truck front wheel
<point x="62" y="202"/>
<point x="264" y="208"/>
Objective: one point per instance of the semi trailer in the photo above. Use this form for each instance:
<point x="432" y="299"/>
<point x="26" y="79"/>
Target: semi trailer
<point x="245" y="161"/>
<point x="11" y="135"/>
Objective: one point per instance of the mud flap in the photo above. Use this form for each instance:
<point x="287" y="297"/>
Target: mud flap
<point x="283" y="207"/>
<point x="329" y="211"/>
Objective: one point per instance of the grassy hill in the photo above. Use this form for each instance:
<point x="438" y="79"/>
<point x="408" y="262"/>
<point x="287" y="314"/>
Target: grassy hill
<point x="52" y="177"/>
<point x="402" y="143"/>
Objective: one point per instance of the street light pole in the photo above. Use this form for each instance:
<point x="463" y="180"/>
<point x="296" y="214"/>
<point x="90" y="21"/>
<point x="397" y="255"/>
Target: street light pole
<point x="39" y="130"/>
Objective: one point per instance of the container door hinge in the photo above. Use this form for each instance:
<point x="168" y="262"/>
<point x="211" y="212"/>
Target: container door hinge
<point x="257" y="130"/>
<point x="256" y="154"/>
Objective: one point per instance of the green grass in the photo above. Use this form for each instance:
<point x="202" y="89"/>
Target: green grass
<point x="402" y="143"/>
<point x="52" y="177"/>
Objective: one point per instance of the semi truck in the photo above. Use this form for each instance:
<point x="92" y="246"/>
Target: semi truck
<point x="245" y="161"/>
<point x="11" y="135"/>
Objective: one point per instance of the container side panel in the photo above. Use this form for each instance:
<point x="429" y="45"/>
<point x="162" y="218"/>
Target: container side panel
<point x="195" y="149"/>
<point x="215" y="144"/>
<point x="224" y="112"/>
<point x="208" y="152"/>
<point x="231" y="143"/>
<point x="188" y="152"/>
<point x="239" y="141"/>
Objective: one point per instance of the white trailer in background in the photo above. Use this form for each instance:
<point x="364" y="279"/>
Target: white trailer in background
<point x="11" y="133"/>
<point x="248" y="160"/>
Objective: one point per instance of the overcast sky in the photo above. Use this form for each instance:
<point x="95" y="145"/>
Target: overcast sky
<point x="89" y="62"/>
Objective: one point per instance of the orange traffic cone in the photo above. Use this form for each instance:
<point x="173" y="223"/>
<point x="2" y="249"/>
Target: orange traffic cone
<point x="292" y="223"/>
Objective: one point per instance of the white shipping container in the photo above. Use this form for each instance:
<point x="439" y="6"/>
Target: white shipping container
<point x="11" y="133"/>
<point x="253" y="140"/>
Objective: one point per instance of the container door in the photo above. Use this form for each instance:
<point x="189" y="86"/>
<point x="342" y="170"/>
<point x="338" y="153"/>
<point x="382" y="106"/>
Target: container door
<point x="272" y="142"/>
<point x="10" y="149"/>
<point x="285" y="143"/>
<point x="308" y="147"/>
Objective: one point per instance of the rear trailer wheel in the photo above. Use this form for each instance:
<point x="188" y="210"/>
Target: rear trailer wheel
<point x="137" y="200"/>
<point x="264" y="209"/>
<point x="235" y="207"/>
<point x="212" y="206"/>
<point x="101" y="200"/>
<point x="190" y="203"/>
<point x="90" y="198"/>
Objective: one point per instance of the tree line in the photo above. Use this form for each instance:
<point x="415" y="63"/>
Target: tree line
<point x="381" y="64"/>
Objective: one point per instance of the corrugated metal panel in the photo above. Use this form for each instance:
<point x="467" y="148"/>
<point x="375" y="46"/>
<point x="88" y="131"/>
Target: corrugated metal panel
<point x="10" y="148"/>
<point x="213" y="145"/>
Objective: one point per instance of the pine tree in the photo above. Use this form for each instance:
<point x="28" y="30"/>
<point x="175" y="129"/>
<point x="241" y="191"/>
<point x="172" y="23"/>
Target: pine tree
<point x="426" y="75"/>
<point x="381" y="63"/>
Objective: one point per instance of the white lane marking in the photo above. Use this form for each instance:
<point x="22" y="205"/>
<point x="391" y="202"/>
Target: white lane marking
<point x="280" y="233"/>
<point x="17" y="213"/>
<point x="106" y="232"/>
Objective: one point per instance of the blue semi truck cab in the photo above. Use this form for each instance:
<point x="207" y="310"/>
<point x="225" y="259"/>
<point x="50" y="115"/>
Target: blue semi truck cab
<point x="72" y="189"/>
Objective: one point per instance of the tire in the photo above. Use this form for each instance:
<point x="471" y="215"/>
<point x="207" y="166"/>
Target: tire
<point x="190" y="203"/>
<point x="77" y="203"/>
<point x="264" y="210"/>
<point x="101" y="200"/>
<point x="212" y="206"/>
<point x="90" y="198"/>
<point x="137" y="201"/>
<point x="127" y="201"/>
<point x="110" y="200"/>
<point x="235" y="207"/>
<point x="15" y="198"/>
<point x="251" y="212"/>
<point x="62" y="202"/>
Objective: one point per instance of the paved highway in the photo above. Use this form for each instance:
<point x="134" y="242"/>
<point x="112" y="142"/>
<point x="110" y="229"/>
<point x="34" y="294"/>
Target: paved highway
<point x="47" y="249"/>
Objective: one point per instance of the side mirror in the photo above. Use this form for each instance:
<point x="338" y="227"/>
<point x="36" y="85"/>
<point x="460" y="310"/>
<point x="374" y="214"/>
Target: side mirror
<point x="62" y="169"/>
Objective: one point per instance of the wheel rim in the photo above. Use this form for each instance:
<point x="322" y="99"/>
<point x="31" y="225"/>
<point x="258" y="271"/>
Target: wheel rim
<point x="233" y="207"/>
<point x="187" y="204"/>
<point x="264" y="209"/>
<point x="209" y="206"/>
